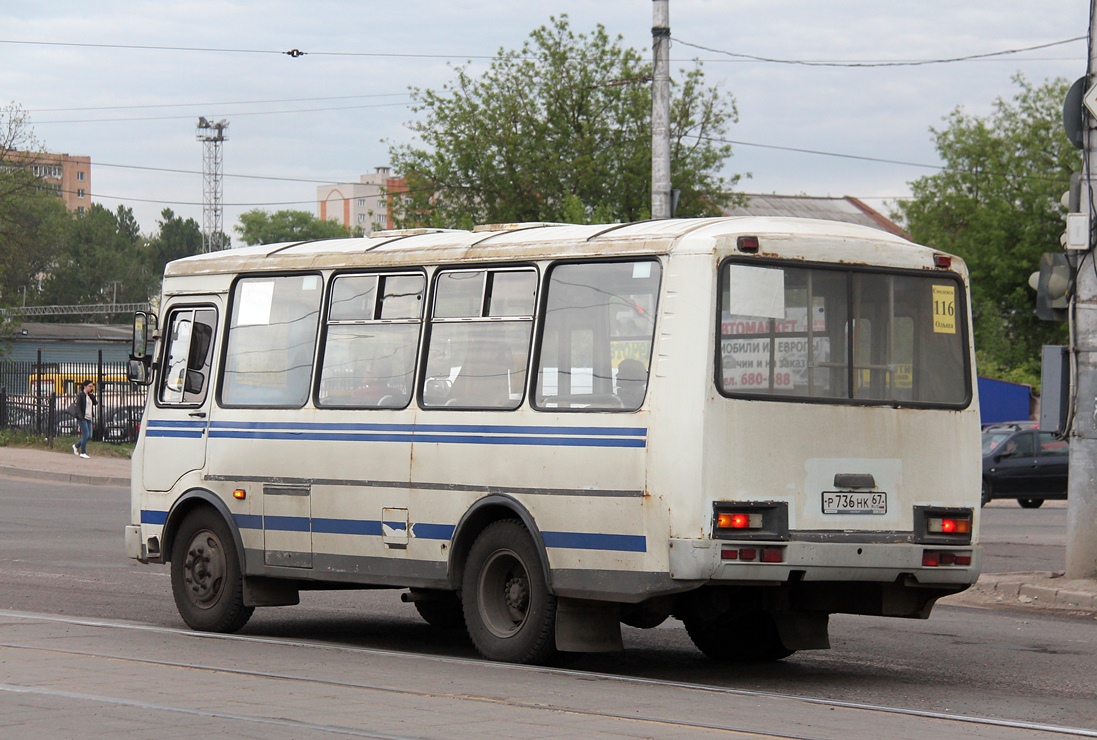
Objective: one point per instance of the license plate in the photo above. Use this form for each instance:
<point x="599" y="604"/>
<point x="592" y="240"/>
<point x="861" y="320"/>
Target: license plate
<point x="845" y="502"/>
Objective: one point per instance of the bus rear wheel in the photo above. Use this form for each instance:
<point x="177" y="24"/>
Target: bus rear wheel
<point x="749" y="637"/>
<point x="206" y="580"/>
<point x="509" y="613"/>
<point x="1030" y="503"/>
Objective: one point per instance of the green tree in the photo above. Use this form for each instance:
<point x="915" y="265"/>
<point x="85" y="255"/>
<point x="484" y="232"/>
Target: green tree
<point x="559" y="130"/>
<point x="103" y="258"/>
<point x="32" y="219"/>
<point x="259" y="227"/>
<point x="176" y="238"/>
<point x="997" y="205"/>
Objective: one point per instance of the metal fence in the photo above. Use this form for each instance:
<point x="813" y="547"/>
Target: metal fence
<point x="35" y="397"/>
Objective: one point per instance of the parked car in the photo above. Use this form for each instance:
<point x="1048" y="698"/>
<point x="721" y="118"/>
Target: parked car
<point x="1022" y="462"/>
<point x="122" y="424"/>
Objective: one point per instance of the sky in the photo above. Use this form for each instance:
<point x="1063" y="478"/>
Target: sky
<point x="125" y="82"/>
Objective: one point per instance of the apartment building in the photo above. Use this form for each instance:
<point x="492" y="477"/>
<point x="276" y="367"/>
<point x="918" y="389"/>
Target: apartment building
<point x="67" y="175"/>
<point x="365" y="205"/>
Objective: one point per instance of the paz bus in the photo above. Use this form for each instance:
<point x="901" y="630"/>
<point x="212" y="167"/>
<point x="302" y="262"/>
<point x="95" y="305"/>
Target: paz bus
<point x="542" y="431"/>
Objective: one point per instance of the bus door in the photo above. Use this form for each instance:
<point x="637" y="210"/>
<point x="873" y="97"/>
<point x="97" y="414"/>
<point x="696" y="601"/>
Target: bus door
<point x="177" y="420"/>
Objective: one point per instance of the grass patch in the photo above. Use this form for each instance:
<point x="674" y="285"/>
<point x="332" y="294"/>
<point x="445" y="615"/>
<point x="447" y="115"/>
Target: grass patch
<point x="19" y="438"/>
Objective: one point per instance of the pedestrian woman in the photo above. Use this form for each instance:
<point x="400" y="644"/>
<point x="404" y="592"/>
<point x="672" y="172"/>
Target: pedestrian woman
<point x="85" y="405"/>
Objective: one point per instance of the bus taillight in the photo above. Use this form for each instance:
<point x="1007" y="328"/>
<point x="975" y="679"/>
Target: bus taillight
<point x="750" y="520"/>
<point x="948" y="525"/>
<point x="938" y="558"/>
<point x="738" y="520"/>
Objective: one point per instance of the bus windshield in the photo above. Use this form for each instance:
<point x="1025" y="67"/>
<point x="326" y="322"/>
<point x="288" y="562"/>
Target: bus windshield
<point x="842" y="334"/>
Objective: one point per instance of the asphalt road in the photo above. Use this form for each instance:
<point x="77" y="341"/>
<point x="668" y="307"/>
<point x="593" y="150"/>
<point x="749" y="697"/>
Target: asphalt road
<point x="61" y="554"/>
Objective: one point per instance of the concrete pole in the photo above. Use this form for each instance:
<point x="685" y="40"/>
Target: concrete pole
<point x="660" y="110"/>
<point x="1082" y="489"/>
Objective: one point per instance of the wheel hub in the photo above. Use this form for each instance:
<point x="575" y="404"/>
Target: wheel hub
<point x="204" y="570"/>
<point x="516" y="594"/>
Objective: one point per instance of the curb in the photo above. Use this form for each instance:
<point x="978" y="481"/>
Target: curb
<point x="78" y="478"/>
<point x="1025" y="593"/>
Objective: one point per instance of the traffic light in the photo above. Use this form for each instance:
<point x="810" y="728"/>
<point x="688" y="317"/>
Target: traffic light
<point x="1054" y="286"/>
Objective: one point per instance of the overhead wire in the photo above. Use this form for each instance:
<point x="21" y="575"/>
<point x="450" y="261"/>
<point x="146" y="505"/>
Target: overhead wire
<point x="897" y="63"/>
<point x="297" y="53"/>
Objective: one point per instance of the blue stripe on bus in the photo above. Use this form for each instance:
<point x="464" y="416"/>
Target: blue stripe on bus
<point x="595" y="541"/>
<point x="424" y="438"/>
<point x="286" y="523"/>
<point x="248" y="521"/>
<point x="176" y="429"/>
<point x="425" y="531"/>
<point x="148" y="516"/>
<point x="435" y="428"/>
<point x="347" y="526"/>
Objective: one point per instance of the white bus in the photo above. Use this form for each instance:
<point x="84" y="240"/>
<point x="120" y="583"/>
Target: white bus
<point x="542" y="431"/>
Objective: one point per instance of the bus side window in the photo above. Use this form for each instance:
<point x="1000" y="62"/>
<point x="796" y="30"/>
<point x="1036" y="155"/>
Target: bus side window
<point x="370" y="342"/>
<point x="271" y="341"/>
<point x="595" y="348"/>
<point x="478" y="349"/>
<point x="188" y="356"/>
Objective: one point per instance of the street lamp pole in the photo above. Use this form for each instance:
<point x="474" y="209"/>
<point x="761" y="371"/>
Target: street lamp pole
<point x="660" y="110"/>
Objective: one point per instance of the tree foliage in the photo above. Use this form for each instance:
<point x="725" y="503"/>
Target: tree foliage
<point x="103" y="258"/>
<point x="32" y="219"/>
<point x="559" y="130"/>
<point x="997" y="205"/>
<point x="260" y="227"/>
<point x="176" y="238"/>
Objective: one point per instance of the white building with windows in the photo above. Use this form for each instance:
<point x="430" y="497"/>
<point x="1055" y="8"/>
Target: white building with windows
<point x="364" y="205"/>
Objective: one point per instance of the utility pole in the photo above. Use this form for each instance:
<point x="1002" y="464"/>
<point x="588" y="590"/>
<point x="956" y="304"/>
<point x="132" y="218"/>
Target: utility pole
<point x="660" y="110"/>
<point x="1082" y="487"/>
<point x="212" y="135"/>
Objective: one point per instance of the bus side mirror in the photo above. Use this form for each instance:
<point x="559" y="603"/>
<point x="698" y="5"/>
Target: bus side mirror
<point x="194" y="382"/>
<point x="137" y="372"/>
<point x="140" y="363"/>
<point x="144" y="324"/>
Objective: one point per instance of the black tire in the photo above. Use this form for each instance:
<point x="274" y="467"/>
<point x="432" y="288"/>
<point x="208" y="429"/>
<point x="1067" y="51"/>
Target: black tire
<point x="1030" y="503"/>
<point x="737" y="638"/>
<point x="443" y="610"/>
<point x="205" y="574"/>
<point x="987" y="496"/>
<point x="509" y="613"/>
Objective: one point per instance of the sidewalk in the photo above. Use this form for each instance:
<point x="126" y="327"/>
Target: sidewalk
<point x="1015" y="590"/>
<point x="61" y="465"/>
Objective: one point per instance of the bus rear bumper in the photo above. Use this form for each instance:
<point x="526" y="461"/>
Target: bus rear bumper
<point x="781" y="562"/>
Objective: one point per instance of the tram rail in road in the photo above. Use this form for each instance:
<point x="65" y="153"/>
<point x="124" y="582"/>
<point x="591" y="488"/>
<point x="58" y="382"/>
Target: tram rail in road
<point x="143" y="681"/>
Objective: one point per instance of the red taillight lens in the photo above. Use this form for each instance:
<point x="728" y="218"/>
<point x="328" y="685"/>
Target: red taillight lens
<point x="937" y="558"/>
<point x="729" y="554"/>
<point x="748" y="553"/>
<point x="773" y="554"/>
<point x="948" y="525"/>
<point x="747" y="243"/>
<point x="942" y="260"/>
<point x="738" y="520"/>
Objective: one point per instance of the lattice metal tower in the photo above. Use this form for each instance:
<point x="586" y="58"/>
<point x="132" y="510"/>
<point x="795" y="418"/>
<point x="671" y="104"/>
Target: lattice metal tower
<point x="212" y="135"/>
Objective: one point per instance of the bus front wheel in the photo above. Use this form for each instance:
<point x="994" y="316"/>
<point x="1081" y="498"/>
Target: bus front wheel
<point x="205" y="574"/>
<point x="509" y="613"/>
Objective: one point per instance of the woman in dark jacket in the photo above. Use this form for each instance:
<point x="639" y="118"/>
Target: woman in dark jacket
<point x="85" y="412"/>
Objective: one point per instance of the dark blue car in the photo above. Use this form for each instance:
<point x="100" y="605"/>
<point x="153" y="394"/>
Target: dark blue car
<point x="1022" y="462"/>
